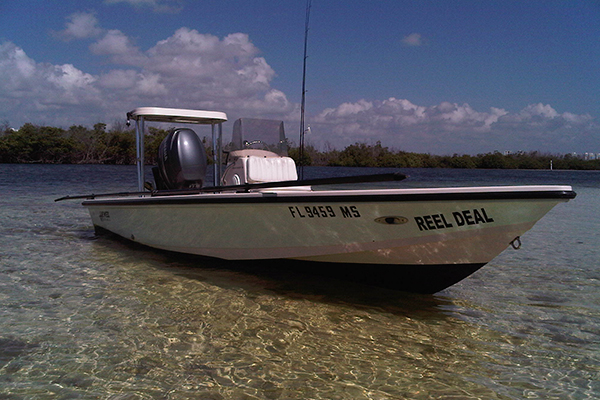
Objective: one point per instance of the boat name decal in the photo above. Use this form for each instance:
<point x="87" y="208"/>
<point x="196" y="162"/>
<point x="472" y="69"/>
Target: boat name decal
<point x="104" y="216"/>
<point x="459" y="218"/>
<point x="323" y="212"/>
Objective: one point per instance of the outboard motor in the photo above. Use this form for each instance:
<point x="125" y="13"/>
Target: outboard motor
<point x="181" y="161"/>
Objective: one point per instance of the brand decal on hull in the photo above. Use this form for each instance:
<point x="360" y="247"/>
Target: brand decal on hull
<point x="475" y="216"/>
<point x="391" y="220"/>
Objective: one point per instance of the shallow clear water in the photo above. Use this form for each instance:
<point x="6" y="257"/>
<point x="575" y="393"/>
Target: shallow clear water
<point x="99" y="318"/>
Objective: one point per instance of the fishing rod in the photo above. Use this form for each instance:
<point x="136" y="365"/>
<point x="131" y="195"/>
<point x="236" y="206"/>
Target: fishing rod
<point x="303" y="102"/>
<point x="252" y="186"/>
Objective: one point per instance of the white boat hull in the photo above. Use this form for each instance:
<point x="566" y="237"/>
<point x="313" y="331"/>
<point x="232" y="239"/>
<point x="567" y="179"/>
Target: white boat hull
<point x="447" y="228"/>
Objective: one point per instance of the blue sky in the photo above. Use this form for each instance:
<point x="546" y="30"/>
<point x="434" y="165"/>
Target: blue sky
<point x="441" y="77"/>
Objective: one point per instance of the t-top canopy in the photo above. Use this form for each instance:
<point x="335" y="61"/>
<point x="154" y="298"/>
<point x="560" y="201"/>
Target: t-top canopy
<point x="158" y="114"/>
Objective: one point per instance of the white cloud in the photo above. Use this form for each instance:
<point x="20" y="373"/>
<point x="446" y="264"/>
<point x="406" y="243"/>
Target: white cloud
<point x="14" y="59"/>
<point x="226" y="71"/>
<point x="80" y="25"/>
<point x="68" y="78"/>
<point x="347" y="109"/>
<point x="119" y="47"/>
<point x="449" y="128"/>
<point x="114" y="43"/>
<point x="42" y="92"/>
<point x="159" y="6"/>
<point x="187" y="70"/>
<point x="23" y="77"/>
<point x="538" y="110"/>
<point x="413" y="40"/>
<point x="194" y="70"/>
<point x="150" y="85"/>
<point x="118" y="79"/>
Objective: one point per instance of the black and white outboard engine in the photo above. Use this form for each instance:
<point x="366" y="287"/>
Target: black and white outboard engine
<point x="181" y="161"/>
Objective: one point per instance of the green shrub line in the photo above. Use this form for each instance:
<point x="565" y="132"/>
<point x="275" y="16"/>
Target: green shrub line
<point x="82" y="145"/>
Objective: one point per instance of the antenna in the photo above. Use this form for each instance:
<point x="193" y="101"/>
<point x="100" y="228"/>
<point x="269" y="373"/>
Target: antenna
<point x="302" y="104"/>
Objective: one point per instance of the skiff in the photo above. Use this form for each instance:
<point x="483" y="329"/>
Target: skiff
<point x="420" y="240"/>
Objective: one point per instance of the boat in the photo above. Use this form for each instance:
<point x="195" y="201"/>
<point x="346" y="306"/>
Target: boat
<point x="411" y="239"/>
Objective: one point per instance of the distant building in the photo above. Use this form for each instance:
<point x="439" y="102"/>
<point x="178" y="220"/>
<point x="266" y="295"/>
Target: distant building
<point x="509" y="152"/>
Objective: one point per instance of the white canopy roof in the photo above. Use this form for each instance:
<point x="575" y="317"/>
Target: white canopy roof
<point x="158" y="114"/>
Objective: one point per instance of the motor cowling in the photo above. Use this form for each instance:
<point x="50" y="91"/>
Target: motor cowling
<point x="182" y="161"/>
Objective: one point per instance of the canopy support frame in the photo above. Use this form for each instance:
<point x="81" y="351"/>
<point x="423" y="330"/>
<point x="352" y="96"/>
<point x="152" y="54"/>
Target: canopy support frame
<point x="183" y="116"/>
